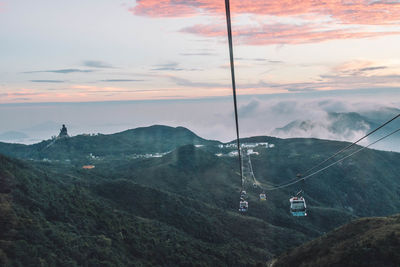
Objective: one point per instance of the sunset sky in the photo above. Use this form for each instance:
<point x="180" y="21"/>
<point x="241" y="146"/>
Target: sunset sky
<point x="107" y="50"/>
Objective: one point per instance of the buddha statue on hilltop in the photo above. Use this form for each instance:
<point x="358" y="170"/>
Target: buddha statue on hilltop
<point x="63" y="132"/>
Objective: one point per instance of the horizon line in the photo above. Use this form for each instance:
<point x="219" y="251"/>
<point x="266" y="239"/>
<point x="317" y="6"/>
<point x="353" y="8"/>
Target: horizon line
<point x="287" y="94"/>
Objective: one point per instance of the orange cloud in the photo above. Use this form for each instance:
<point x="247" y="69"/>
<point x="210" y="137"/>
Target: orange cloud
<point x="96" y="89"/>
<point x="21" y="95"/>
<point x="81" y="92"/>
<point x="284" y="33"/>
<point x="367" y="12"/>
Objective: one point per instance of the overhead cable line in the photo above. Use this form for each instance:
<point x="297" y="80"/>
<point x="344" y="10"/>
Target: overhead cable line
<point x="232" y="66"/>
<point x="229" y="28"/>
<point x="334" y="163"/>
<point x="352" y="144"/>
<point x="343" y="149"/>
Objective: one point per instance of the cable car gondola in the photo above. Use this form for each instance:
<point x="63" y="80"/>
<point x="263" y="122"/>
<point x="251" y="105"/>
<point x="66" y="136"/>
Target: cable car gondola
<point x="263" y="197"/>
<point x="298" y="206"/>
<point x="243" y="206"/>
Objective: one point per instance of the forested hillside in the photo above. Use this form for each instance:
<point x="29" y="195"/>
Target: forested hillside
<point x="365" y="242"/>
<point x="180" y="208"/>
<point x="52" y="219"/>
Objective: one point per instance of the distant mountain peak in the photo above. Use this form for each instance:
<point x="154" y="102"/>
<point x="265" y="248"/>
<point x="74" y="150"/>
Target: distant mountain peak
<point x="13" y="135"/>
<point x="158" y="128"/>
<point x="336" y="126"/>
<point x="139" y="141"/>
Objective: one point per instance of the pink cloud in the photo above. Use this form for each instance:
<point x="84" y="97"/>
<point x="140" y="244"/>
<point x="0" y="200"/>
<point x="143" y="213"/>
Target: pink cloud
<point x="347" y="12"/>
<point x="163" y="9"/>
<point x="283" y="33"/>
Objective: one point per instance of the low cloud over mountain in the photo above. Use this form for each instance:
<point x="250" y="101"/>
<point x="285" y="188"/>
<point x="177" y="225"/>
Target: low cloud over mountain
<point x="324" y="118"/>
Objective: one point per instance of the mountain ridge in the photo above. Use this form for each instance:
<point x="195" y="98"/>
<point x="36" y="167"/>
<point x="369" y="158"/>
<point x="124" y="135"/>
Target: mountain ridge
<point x="152" y="139"/>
